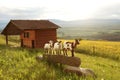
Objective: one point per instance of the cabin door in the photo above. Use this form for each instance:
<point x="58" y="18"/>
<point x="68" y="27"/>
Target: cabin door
<point x="21" y="42"/>
<point x="33" y="44"/>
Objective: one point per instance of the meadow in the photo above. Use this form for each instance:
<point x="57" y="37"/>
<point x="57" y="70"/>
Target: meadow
<point x="106" y="49"/>
<point x="17" y="63"/>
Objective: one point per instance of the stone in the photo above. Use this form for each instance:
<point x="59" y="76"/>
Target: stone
<point x="79" y="71"/>
<point x="66" y="60"/>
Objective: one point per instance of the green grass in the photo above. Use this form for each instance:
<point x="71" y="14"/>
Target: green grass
<point x="105" y="69"/>
<point x="20" y="64"/>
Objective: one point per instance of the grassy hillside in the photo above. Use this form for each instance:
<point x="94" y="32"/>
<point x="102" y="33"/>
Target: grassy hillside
<point x="20" y="64"/>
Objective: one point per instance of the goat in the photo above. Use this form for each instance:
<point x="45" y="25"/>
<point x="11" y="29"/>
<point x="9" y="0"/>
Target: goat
<point x="48" y="47"/>
<point x="70" y="46"/>
<point x="57" y="47"/>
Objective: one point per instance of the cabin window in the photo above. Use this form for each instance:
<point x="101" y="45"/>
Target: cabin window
<point x="26" y="34"/>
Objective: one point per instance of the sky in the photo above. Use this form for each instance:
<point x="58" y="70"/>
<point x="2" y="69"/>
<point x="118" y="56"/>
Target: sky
<point x="59" y="9"/>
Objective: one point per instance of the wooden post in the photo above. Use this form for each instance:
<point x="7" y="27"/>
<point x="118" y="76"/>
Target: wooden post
<point x="6" y="39"/>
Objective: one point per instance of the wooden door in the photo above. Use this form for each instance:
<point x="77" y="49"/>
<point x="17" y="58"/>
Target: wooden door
<point x="33" y="44"/>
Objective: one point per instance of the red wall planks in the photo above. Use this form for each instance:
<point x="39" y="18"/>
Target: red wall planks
<point x="27" y="42"/>
<point x="40" y="37"/>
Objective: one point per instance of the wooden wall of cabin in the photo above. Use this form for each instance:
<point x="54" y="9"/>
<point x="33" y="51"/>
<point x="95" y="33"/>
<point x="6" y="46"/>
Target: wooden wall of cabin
<point x="27" y="41"/>
<point x="43" y="36"/>
<point x="40" y="37"/>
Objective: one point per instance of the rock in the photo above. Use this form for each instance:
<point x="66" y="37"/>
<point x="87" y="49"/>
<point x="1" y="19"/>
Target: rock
<point x="66" y="60"/>
<point x="71" y="69"/>
<point x="80" y="71"/>
<point x="88" y="72"/>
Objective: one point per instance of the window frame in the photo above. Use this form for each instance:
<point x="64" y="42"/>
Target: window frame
<point x="26" y="34"/>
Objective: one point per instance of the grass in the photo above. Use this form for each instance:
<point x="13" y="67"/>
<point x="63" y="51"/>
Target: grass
<point x="20" y="64"/>
<point x="105" y="69"/>
<point x="107" y="49"/>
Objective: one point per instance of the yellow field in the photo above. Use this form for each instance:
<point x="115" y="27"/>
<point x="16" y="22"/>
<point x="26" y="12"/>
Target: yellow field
<point x="108" y="49"/>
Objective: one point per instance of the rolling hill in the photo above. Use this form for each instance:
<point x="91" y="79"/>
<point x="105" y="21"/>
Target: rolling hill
<point x="103" y="29"/>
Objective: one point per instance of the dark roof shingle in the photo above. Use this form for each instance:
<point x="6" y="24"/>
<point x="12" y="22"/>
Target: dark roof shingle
<point x="34" y="24"/>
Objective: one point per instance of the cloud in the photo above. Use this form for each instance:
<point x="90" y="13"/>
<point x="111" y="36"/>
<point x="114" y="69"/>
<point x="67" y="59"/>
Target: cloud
<point x="21" y="13"/>
<point x="63" y="12"/>
<point x="109" y="12"/>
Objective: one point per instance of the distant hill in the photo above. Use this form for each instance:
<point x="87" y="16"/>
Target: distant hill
<point x="88" y="23"/>
<point x="102" y="29"/>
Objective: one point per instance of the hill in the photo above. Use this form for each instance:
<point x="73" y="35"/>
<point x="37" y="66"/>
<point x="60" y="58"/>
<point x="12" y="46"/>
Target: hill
<point x="92" y="33"/>
<point x="90" y="29"/>
<point x="88" y="23"/>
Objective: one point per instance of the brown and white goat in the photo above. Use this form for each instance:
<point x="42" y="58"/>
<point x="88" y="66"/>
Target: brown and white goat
<point x="70" y="46"/>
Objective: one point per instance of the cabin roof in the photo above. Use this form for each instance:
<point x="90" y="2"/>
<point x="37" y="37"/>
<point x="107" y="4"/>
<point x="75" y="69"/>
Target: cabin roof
<point x="14" y="27"/>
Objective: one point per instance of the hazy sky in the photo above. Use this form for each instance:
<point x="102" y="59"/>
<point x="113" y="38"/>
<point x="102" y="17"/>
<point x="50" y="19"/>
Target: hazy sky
<point x="59" y="9"/>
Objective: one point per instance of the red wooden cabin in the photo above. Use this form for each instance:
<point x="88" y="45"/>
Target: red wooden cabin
<point x="33" y="33"/>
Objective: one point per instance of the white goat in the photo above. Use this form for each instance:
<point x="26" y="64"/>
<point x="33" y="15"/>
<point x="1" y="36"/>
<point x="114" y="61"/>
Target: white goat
<point x="48" y="47"/>
<point x="57" y="47"/>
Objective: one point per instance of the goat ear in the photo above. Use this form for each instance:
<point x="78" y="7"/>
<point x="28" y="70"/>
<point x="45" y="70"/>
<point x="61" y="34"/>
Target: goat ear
<point x="79" y="39"/>
<point x="76" y="39"/>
